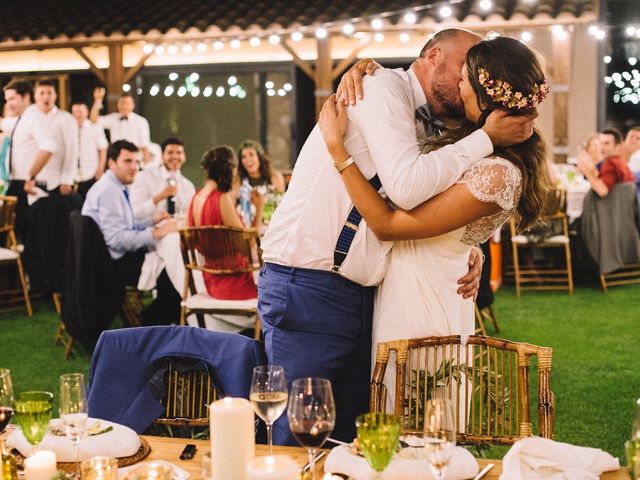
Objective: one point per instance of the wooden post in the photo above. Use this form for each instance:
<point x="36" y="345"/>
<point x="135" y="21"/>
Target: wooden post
<point x="561" y="77"/>
<point x="323" y="73"/>
<point x="115" y="76"/>
<point x="63" y="96"/>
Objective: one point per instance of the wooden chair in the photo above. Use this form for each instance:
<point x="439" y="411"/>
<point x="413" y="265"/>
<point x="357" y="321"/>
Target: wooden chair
<point x="219" y="250"/>
<point x="11" y="253"/>
<point x="189" y="395"/>
<point x="62" y="337"/>
<point x="627" y="275"/>
<point x="483" y="315"/>
<point x="554" y="228"/>
<point x="486" y="378"/>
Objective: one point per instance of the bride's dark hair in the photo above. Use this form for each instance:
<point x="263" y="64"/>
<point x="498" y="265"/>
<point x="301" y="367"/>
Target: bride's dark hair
<point x="509" y="60"/>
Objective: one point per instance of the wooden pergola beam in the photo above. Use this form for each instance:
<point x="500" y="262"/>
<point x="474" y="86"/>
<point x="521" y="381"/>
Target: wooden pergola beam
<point x="92" y="66"/>
<point x="303" y="64"/>
<point x="133" y="71"/>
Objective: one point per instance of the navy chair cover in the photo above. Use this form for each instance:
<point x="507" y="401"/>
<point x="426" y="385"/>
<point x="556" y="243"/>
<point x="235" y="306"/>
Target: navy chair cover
<point x="118" y="389"/>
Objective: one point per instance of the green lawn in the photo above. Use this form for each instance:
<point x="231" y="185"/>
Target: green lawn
<point x="596" y="362"/>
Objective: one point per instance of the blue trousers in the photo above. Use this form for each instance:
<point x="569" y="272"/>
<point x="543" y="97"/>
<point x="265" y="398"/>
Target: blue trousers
<point x="318" y="324"/>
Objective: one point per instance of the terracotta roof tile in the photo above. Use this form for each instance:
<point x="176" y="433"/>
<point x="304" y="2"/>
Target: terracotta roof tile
<point x="31" y="19"/>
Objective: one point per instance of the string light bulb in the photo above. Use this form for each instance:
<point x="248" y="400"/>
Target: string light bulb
<point x="274" y="39"/>
<point x="486" y="5"/>
<point x="445" y="12"/>
<point x="235" y="43"/>
<point x="376" y="24"/>
<point x="321" y="33"/>
<point x="526" y="36"/>
<point x="254" y="41"/>
<point x="410" y="18"/>
<point x="348" y="29"/>
<point x="404" y="37"/>
<point x="296" y="36"/>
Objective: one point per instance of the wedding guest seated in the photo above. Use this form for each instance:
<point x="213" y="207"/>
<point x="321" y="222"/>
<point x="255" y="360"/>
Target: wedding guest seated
<point x="612" y="170"/>
<point x="610" y="138"/>
<point x="214" y="204"/>
<point x="128" y="240"/>
<point x="256" y="166"/>
<point x="163" y="188"/>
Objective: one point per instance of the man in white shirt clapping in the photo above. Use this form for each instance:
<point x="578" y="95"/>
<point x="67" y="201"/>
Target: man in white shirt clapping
<point x="59" y="171"/>
<point x="30" y="149"/>
<point x="163" y="188"/>
<point x="124" y="124"/>
<point x="92" y="149"/>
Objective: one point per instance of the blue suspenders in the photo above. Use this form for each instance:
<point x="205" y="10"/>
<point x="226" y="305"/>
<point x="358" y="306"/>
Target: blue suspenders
<point x="348" y="232"/>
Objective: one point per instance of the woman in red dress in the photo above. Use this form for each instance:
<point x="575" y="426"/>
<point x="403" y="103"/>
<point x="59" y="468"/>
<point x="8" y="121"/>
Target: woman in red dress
<point x="214" y="204"/>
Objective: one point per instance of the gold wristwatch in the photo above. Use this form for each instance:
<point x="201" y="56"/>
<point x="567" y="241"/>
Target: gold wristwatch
<point x="342" y="165"/>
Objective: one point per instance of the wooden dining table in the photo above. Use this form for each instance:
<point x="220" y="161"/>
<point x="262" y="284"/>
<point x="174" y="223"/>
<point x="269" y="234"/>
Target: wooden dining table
<point x="163" y="448"/>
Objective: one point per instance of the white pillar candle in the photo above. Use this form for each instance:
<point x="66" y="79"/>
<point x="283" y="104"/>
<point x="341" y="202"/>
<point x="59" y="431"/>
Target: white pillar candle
<point x="40" y="466"/>
<point x="272" y="468"/>
<point x="232" y="438"/>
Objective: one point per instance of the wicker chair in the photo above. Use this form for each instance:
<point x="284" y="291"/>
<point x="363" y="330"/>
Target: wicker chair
<point x="537" y="276"/>
<point x="189" y="395"/>
<point x="10" y="253"/>
<point x="486" y="378"/>
<point x="219" y="250"/>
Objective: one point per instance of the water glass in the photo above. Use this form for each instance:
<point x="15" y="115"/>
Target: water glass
<point x="73" y="408"/>
<point x="378" y="435"/>
<point x="269" y="395"/>
<point x="6" y="398"/>
<point x="312" y="414"/>
<point x="32" y="414"/>
<point x="439" y="435"/>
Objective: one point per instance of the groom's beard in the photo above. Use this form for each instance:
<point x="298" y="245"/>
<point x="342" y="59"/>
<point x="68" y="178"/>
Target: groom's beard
<point x="448" y="98"/>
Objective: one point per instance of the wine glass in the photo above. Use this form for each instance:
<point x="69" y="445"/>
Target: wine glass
<point x="32" y="414"/>
<point x="6" y="398"/>
<point x="269" y="395"/>
<point x="378" y="435"/>
<point x="312" y="414"/>
<point x="73" y="408"/>
<point x="439" y="435"/>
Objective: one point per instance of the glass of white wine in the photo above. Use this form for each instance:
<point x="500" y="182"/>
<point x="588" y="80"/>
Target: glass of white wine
<point x="73" y="408"/>
<point x="439" y="435"/>
<point x="269" y="395"/>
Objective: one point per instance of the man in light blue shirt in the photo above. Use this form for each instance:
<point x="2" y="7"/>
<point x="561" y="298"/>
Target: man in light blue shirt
<point x="108" y="204"/>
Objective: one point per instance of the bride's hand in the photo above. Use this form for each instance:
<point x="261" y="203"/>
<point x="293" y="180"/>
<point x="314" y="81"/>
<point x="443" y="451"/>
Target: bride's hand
<point x="333" y="125"/>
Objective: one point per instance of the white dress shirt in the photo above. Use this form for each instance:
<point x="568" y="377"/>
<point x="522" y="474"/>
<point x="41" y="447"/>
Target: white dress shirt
<point x="381" y="137"/>
<point x="152" y="181"/>
<point x="31" y="134"/>
<point x="91" y="140"/>
<point x="134" y="128"/>
<point x="634" y="161"/>
<point x="7" y="124"/>
<point x="61" y="167"/>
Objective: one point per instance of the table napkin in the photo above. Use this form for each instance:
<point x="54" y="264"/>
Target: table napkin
<point x="178" y="473"/>
<point x="544" y="459"/>
<point x="119" y="442"/>
<point x="341" y="460"/>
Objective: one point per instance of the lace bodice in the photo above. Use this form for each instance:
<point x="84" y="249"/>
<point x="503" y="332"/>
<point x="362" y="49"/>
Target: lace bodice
<point x="496" y="180"/>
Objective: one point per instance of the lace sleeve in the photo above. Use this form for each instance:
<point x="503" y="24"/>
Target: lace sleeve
<point x="493" y="180"/>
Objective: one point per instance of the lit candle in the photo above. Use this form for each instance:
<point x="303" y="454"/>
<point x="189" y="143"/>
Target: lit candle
<point x="40" y="466"/>
<point x="232" y="438"/>
<point x="272" y="468"/>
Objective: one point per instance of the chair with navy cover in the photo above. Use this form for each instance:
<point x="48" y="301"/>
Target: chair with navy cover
<point x="119" y="373"/>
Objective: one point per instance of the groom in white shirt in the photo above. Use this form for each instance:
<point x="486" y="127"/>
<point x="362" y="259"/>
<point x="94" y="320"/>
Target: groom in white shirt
<point x="321" y="262"/>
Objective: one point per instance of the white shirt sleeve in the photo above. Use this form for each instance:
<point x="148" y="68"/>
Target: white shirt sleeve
<point x="100" y="137"/>
<point x="141" y="197"/>
<point x="145" y="135"/>
<point x="105" y="121"/>
<point x="386" y="120"/>
<point x="70" y="139"/>
<point x="41" y="134"/>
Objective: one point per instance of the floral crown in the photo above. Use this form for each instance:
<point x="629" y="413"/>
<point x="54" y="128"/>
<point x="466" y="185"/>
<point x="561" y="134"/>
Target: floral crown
<point x="502" y="92"/>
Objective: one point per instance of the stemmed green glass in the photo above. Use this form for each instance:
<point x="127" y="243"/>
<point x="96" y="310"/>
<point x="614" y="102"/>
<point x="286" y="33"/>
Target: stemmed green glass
<point x="32" y="415"/>
<point x="378" y="435"/>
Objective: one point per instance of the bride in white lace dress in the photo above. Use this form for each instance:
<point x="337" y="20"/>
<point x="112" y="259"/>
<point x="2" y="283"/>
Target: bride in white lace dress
<point x="418" y="295"/>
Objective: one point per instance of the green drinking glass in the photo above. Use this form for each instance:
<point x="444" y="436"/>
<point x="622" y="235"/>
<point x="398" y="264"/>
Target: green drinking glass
<point x="378" y="434"/>
<point x="32" y="414"/>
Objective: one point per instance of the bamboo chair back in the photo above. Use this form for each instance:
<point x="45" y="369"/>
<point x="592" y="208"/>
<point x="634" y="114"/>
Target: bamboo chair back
<point x="7" y="219"/>
<point x="221" y="250"/>
<point x="487" y="379"/>
<point x="189" y="395"/>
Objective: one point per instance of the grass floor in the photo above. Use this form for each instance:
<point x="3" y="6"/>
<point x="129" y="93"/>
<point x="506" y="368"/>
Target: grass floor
<point x="596" y="361"/>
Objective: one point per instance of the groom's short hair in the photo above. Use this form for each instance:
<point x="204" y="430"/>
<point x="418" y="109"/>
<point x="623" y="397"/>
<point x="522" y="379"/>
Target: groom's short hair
<point x="443" y="36"/>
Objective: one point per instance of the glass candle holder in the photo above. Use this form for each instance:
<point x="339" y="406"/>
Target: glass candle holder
<point x="150" y="471"/>
<point x="206" y="466"/>
<point x="99" y="468"/>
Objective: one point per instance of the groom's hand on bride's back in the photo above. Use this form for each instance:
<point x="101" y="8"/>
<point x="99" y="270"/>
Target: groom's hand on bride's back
<point x="506" y="130"/>
<point x="470" y="283"/>
<point x="350" y="87"/>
